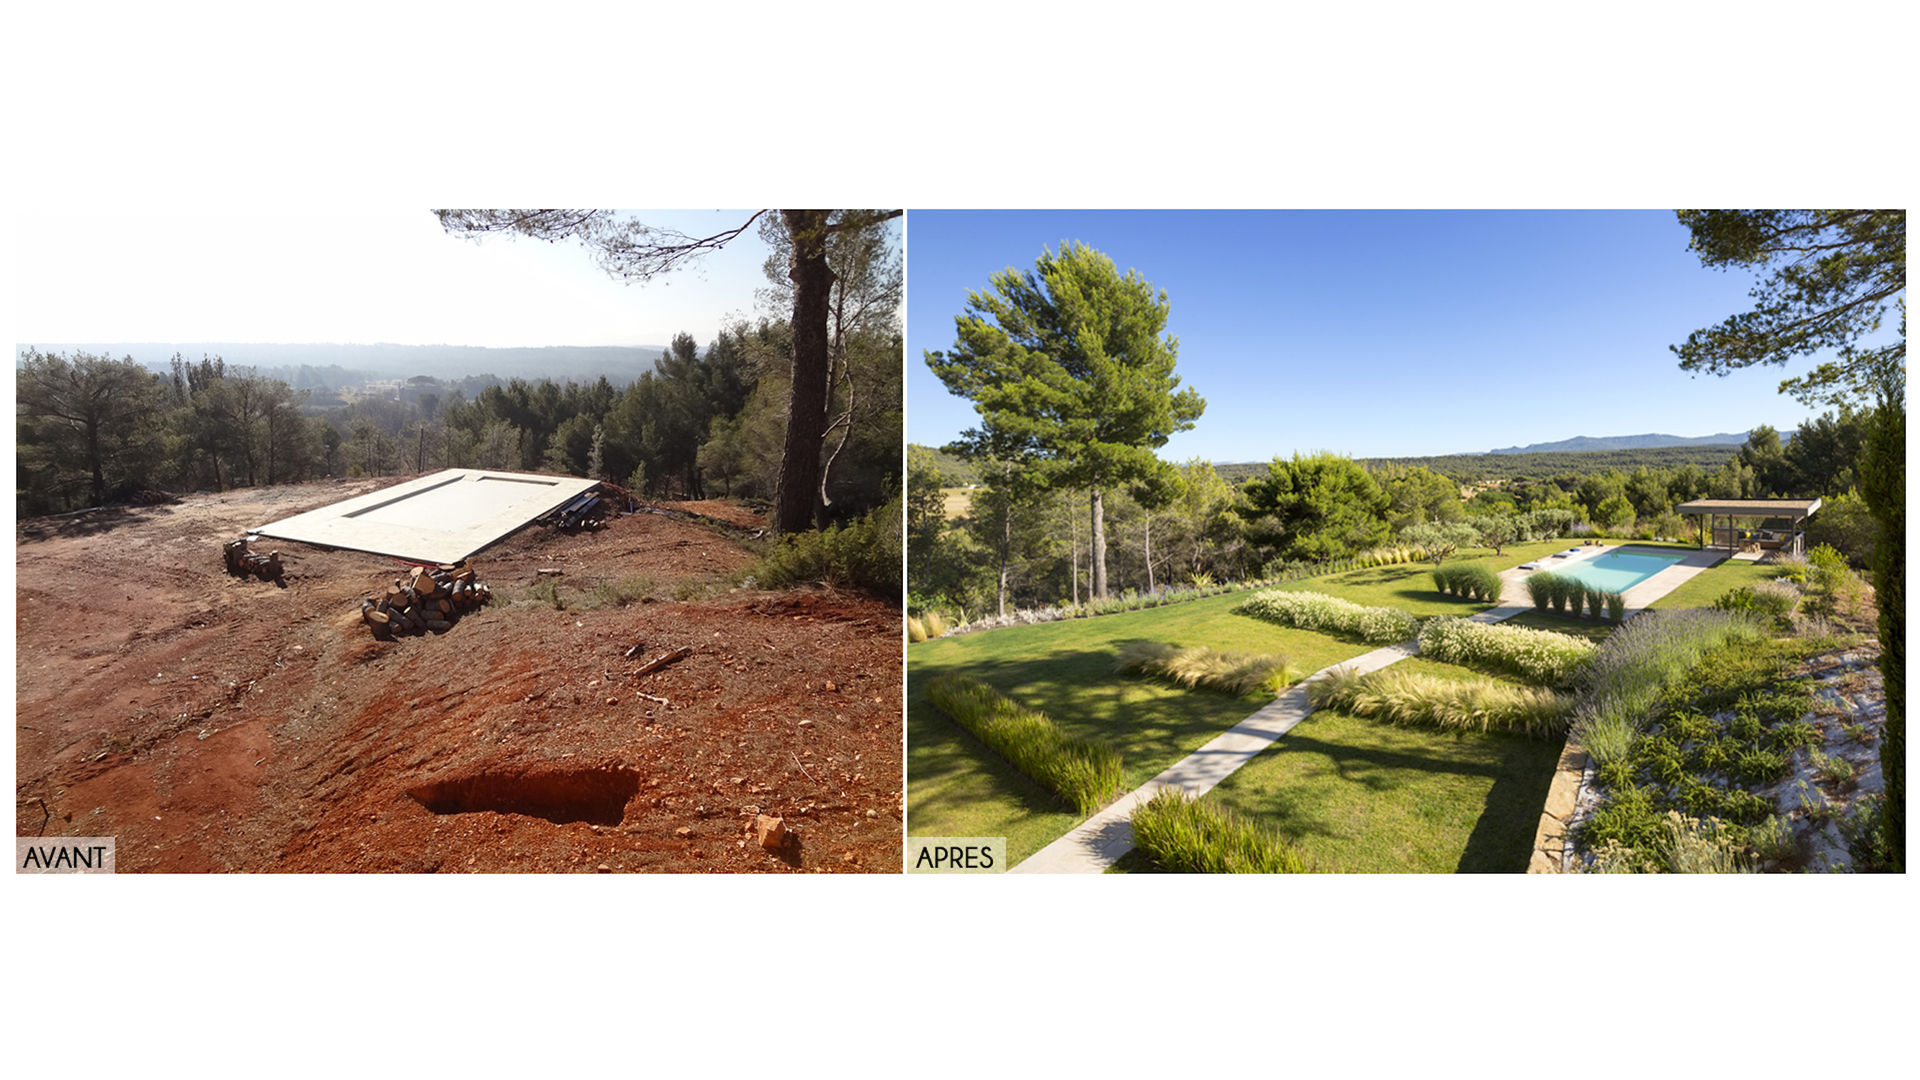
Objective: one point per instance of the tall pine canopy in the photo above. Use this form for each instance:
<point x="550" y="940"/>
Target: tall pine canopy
<point x="1068" y="361"/>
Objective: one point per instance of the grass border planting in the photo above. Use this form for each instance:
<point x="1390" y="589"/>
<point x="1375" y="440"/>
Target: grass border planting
<point x="1400" y="695"/>
<point x="1543" y="657"/>
<point x="1196" y="666"/>
<point x="1185" y="835"/>
<point x="1087" y="774"/>
<point x="1330" y="615"/>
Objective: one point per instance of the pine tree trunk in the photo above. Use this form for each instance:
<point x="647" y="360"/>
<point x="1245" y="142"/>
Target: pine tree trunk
<point x="795" y="494"/>
<point x="1099" y="553"/>
<point x="1074" y="543"/>
<point x="1147" y="547"/>
<point x="1006" y="548"/>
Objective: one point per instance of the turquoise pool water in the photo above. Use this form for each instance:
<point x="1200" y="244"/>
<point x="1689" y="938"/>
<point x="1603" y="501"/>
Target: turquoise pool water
<point x="1617" y="571"/>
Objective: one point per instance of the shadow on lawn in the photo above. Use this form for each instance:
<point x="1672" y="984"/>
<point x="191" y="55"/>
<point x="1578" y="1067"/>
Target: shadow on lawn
<point x="1502" y="836"/>
<point x="1502" y="839"/>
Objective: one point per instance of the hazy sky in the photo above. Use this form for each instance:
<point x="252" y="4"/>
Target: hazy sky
<point x="1381" y="333"/>
<point x="372" y="277"/>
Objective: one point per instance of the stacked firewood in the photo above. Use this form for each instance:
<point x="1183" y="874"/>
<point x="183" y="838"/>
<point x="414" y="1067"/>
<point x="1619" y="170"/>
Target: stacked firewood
<point x="244" y="563"/>
<point x="429" y="599"/>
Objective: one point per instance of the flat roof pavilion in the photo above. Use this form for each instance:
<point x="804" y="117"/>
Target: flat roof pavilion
<point x="440" y="518"/>
<point x="1793" y="511"/>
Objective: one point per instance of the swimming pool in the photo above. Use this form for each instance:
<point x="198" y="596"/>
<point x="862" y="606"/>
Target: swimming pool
<point x="1617" y="571"/>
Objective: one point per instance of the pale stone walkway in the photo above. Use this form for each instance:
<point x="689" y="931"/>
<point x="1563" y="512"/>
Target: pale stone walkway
<point x="1093" y="846"/>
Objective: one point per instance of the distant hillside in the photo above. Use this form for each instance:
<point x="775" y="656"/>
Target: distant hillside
<point x="1477" y="468"/>
<point x="1582" y="443"/>
<point x="954" y="471"/>
<point x="350" y="364"/>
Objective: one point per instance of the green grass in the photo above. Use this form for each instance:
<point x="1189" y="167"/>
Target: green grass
<point x="956" y="787"/>
<point x="1360" y="796"/>
<point x="1704" y="588"/>
<point x="1084" y="772"/>
<point x="1595" y="632"/>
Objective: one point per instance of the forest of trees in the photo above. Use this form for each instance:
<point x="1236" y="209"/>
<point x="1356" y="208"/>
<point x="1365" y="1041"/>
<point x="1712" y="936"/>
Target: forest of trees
<point x="94" y="430"/>
<point x="1319" y="507"/>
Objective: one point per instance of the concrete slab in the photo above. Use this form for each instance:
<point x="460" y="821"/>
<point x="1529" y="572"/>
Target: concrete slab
<point x="440" y="518"/>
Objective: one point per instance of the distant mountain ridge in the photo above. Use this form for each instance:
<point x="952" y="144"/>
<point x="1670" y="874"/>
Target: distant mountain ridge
<point x="1630" y="442"/>
<point x="619" y="363"/>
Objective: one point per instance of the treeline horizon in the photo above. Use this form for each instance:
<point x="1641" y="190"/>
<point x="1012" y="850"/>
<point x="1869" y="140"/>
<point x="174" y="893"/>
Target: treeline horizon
<point x="1315" y="509"/>
<point x="1465" y="469"/>
<point x="95" y="430"/>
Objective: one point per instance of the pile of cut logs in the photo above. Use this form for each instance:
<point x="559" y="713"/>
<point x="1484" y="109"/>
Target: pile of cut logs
<point x="244" y="563"/>
<point x="429" y="599"/>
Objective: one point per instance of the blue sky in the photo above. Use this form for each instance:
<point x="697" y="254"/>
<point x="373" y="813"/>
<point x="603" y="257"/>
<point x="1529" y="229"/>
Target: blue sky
<point x="1381" y="333"/>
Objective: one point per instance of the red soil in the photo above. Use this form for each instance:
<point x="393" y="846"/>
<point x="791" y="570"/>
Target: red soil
<point x="210" y="723"/>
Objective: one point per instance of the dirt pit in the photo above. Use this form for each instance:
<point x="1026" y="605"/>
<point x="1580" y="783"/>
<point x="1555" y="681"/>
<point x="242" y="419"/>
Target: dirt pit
<point x="212" y="723"/>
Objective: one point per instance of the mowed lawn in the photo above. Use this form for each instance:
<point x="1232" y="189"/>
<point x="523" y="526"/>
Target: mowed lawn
<point x="957" y="787"/>
<point x="1704" y="588"/>
<point x="1361" y="796"/>
<point x="1357" y="795"/>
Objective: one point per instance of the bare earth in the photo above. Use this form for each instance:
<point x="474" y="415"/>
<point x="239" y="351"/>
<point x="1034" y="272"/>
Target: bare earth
<point x="211" y="723"/>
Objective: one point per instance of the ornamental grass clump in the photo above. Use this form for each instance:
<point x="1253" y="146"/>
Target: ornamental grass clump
<point x="1772" y="602"/>
<point x="1085" y="773"/>
<point x="1627" y="674"/>
<point x="1330" y="614"/>
<point x="1553" y="590"/>
<point x="1184" y="835"/>
<point x="1542" y="657"/>
<point x="1400" y="696"/>
<point x="1468" y="579"/>
<point x="1198" y="666"/>
<point x="1596" y="602"/>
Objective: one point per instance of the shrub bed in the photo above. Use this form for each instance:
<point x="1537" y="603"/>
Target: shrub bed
<point x="1085" y="773"/>
<point x="1399" y="696"/>
<point x="1627" y="673"/>
<point x="1198" y="666"/>
<point x="1543" y="657"/>
<point x="1330" y="614"/>
<point x="1188" y="836"/>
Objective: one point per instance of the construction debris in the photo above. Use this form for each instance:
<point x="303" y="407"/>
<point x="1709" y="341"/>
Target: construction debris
<point x="585" y="511"/>
<point x="429" y="599"/>
<point x="244" y="563"/>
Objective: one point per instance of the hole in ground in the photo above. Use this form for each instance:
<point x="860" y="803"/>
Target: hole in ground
<point x="597" y="796"/>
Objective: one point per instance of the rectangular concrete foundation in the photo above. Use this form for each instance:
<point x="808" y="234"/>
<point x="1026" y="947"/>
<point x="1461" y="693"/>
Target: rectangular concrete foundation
<point x="440" y="518"/>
